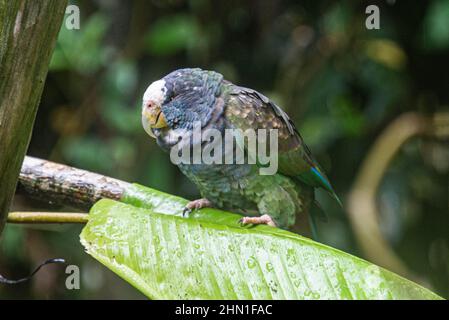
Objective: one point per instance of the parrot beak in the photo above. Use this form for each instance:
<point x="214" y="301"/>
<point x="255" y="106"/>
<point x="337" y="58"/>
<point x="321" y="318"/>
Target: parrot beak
<point x="153" y="117"/>
<point x="147" y="127"/>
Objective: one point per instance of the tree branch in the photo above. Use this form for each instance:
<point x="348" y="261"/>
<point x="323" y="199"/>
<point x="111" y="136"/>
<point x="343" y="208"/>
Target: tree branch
<point x="47" y="217"/>
<point x="28" y="32"/>
<point x="61" y="184"/>
<point x="362" y="207"/>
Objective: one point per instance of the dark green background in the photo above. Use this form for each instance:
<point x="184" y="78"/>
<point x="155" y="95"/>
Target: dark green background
<point x="341" y="83"/>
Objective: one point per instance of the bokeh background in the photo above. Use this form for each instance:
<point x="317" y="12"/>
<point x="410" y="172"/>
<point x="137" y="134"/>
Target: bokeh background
<point x="341" y="83"/>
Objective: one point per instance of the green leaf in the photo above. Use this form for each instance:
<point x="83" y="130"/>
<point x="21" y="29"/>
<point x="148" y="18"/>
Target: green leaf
<point x="209" y="256"/>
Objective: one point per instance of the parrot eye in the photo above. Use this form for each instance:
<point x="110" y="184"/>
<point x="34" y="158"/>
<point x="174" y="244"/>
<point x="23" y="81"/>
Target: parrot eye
<point x="150" y="104"/>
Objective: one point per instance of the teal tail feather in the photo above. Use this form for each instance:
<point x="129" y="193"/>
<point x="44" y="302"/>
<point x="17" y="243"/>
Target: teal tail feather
<point x="316" y="178"/>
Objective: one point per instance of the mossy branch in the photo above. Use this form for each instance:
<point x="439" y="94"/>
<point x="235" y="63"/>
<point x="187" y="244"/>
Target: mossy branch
<point x="62" y="184"/>
<point x="28" y="32"/>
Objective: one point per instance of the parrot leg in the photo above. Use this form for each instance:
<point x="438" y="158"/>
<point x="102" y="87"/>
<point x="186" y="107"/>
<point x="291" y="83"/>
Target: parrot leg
<point x="196" y="205"/>
<point x="264" y="219"/>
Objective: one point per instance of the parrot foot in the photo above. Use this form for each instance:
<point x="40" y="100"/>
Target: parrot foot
<point x="196" y="205"/>
<point x="265" y="219"/>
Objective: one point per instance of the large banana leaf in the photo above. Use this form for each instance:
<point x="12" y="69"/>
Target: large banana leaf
<point x="209" y="256"/>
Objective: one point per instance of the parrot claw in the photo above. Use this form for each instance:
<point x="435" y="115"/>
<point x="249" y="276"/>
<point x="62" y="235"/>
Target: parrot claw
<point x="186" y="212"/>
<point x="196" y="205"/>
<point x="264" y="219"/>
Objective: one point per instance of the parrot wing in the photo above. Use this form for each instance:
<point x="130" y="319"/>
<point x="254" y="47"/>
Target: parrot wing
<point x="249" y="109"/>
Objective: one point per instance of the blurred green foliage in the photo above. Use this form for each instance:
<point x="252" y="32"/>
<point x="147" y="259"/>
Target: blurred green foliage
<point x="341" y="83"/>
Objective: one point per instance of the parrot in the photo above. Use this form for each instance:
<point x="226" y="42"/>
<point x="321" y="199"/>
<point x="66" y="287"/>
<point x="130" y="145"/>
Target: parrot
<point x="172" y="105"/>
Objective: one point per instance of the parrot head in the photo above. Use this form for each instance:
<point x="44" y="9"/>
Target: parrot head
<point x="180" y="99"/>
<point x="153" y="98"/>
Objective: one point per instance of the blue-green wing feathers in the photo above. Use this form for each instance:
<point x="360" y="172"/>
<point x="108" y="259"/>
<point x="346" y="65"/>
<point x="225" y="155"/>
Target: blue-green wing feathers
<point x="247" y="108"/>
